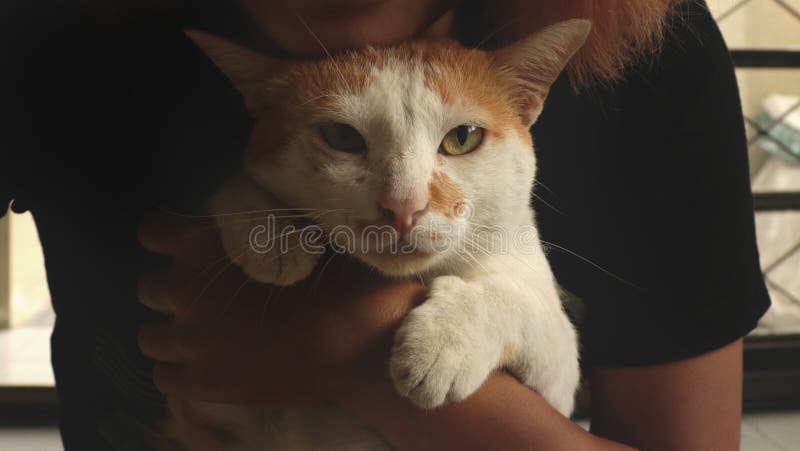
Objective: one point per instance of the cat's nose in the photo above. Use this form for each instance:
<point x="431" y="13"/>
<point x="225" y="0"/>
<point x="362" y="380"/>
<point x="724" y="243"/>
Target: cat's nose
<point x="402" y="214"/>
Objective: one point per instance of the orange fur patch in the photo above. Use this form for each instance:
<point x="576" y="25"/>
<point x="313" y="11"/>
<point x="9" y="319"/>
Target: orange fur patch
<point x="456" y="73"/>
<point x="267" y="138"/>
<point x="453" y="72"/>
<point x="308" y="89"/>
<point x="444" y="195"/>
<point x="343" y="75"/>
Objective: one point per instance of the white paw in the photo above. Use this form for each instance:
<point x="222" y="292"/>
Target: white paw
<point x="265" y="246"/>
<point x="266" y="255"/>
<point x="444" y="349"/>
<point x="278" y="267"/>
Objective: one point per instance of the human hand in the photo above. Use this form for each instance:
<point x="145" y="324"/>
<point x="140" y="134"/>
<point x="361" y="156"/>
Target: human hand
<point x="233" y="340"/>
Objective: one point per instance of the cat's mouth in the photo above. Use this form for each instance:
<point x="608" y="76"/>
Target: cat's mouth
<point x="399" y="264"/>
<point x="392" y="253"/>
<point x="385" y="239"/>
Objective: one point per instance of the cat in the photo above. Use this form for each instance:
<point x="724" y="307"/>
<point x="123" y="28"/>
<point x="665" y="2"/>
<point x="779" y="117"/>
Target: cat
<point x="429" y="141"/>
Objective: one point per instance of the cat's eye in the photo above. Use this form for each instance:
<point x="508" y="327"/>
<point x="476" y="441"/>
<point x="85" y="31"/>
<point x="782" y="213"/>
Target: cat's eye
<point x="342" y="137"/>
<point x="462" y="140"/>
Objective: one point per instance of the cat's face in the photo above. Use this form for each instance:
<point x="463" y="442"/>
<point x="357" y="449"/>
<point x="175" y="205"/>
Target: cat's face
<point x="407" y="151"/>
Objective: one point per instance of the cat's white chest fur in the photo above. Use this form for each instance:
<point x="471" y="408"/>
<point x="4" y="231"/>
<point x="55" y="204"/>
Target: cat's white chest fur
<point x="429" y="141"/>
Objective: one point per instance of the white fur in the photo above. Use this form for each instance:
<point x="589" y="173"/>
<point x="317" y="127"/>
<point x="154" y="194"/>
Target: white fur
<point x="486" y="308"/>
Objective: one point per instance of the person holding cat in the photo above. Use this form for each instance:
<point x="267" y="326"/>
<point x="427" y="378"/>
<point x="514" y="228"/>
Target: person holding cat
<point x="642" y="171"/>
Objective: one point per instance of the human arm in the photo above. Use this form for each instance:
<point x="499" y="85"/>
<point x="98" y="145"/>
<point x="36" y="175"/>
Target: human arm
<point x="687" y="405"/>
<point x="691" y="404"/>
<point x="223" y="346"/>
<point x="503" y="414"/>
<point x="339" y="350"/>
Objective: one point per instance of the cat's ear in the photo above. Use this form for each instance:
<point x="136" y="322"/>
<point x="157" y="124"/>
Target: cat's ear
<point x="536" y="61"/>
<point x="248" y="70"/>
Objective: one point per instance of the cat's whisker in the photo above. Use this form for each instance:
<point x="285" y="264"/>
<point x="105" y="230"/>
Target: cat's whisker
<point x="515" y="257"/>
<point x="246" y="212"/>
<point x="495" y="32"/>
<point x="468" y="262"/>
<point x="318" y="216"/>
<point x="325" y="49"/>
<point x="590" y="262"/>
<point x="255" y="220"/>
<point x="574" y="254"/>
<point x="323" y="96"/>
<point x="218" y="274"/>
<point x="268" y="301"/>
<point x="290" y="232"/>
<point x="533" y="269"/>
<point x="321" y="271"/>
<point x="247" y="279"/>
<point x="537" y="182"/>
<point x="215" y="263"/>
<point x="306" y="213"/>
<point x="262" y="221"/>
<point x="547" y="204"/>
<point x="472" y="242"/>
<point x="469" y="254"/>
<point x="478" y="247"/>
<point x="245" y="249"/>
<point x="233" y="297"/>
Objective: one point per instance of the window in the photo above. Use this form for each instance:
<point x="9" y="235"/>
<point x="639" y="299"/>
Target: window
<point x="764" y="38"/>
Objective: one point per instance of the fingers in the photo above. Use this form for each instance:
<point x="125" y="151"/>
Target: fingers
<point x="151" y="290"/>
<point x="199" y="261"/>
<point x="161" y="341"/>
<point x="174" y="342"/>
<point x="179" y="294"/>
<point x="185" y="291"/>
<point x="171" y="380"/>
<point x="180" y="381"/>
<point x="172" y="234"/>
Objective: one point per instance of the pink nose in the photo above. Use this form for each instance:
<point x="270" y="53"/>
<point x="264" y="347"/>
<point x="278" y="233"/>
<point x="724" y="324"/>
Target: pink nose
<point x="402" y="214"/>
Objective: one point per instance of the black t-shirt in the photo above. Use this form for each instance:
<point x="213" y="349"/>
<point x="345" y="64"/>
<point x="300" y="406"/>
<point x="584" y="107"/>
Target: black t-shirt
<point x="643" y="192"/>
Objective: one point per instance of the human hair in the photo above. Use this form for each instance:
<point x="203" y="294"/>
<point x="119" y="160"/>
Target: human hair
<point x="623" y="31"/>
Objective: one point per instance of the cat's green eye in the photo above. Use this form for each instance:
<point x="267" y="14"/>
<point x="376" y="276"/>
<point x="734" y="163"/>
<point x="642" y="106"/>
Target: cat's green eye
<point x="342" y="137"/>
<point x="462" y="140"/>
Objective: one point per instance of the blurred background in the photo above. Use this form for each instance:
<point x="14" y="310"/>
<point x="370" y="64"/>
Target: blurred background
<point x="764" y="36"/>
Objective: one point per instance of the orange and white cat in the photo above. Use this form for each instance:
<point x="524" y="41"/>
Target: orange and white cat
<point x="430" y="141"/>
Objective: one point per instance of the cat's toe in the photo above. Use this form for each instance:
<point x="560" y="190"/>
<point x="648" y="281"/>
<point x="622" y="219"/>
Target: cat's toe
<point x="279" y="268"/>
<point x="295" y="266"/>
<point x="448" y="382"/>
<point x="437" y="358"/>
<point x="422" y="370"/>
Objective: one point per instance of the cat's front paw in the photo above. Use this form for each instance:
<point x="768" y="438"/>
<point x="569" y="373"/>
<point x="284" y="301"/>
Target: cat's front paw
<point x="444" y="349"/>
<point x="274" y="254"/>
<point x="278" y="267"/>
<point x="270" y="249"/>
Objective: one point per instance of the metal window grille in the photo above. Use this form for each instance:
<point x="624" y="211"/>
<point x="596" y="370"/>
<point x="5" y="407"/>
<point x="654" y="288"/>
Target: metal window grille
<point x="772" y="362"/>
